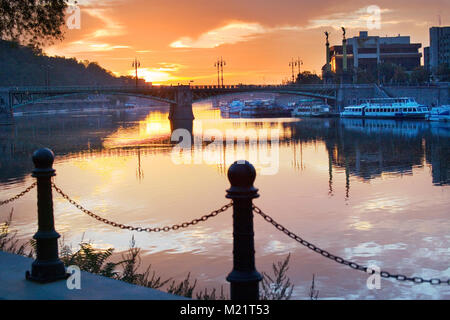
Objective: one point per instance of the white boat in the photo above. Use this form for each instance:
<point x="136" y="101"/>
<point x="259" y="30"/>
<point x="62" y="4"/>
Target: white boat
<point x="317" y="111"/>
<point x="234" y="107"/>
<point x="387" y="108"/>
<point x="130" y="106"/>
<point x="441" y="113"/>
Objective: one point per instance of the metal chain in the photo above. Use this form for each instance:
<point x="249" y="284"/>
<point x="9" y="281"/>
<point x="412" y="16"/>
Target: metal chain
<point x="340" y="260"/>
<point x="140" y="229"/>
<point x="20" y="195"/>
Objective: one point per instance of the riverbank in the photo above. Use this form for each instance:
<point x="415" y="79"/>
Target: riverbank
<point x="93" y="287"/>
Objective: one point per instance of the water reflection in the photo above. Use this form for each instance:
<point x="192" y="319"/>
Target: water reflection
<point x="366" y="149"/>
<point x="363" y="190"/>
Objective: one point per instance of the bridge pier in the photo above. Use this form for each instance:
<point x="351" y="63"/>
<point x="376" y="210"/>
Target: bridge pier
<point x="6" y="114"/>
<point x="182" y="108"/>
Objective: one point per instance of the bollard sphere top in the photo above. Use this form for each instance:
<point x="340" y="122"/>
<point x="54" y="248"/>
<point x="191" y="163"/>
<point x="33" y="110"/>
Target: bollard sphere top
<point x="43" y="158"/>
<point x="242" y="175"/>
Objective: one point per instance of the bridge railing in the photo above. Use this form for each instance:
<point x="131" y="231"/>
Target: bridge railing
<point x="131" y="88"/>
<point x="76" y="88"/>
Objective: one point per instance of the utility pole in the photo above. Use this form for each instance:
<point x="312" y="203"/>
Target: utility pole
<point x="136" y="64"/>
<point x="220" y="64"/>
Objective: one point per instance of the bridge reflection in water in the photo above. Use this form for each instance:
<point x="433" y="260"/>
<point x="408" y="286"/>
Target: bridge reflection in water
<point x="366" y="149"/>
<point x="368" y="190"/>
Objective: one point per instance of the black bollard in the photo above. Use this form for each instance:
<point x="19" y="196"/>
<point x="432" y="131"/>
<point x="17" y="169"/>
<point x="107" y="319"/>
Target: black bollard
<point x="47" y="267"/>
<point x="244" y="279"/>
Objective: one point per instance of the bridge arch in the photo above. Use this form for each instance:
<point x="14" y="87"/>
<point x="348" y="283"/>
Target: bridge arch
<point x="284" y="92"/>
<point x="56" y="96"/>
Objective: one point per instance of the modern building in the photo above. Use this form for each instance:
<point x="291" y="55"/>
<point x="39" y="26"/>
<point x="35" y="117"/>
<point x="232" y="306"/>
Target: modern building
<point x="426" y="57"/>
<point x="439" y="49"/>
<point x="366" y="52"/>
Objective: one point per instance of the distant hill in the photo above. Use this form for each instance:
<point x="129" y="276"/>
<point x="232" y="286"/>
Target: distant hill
<point x="24" y="66"/>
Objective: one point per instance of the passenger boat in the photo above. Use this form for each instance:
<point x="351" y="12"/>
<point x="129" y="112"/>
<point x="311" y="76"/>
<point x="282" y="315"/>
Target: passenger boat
<point x="441" y="113"/>
<point x="386" y="108"/>
<point x="317" y="111"/>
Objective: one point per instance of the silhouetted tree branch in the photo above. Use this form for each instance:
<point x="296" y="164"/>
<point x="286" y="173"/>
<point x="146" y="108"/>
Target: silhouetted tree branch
<point x="32" y="22"/>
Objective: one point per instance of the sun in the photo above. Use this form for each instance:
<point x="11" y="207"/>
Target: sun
<point x="154" y="76"/>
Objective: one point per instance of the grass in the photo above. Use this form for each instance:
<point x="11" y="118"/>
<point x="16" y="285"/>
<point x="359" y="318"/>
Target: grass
<point x="9" y="241"/>
<point x="98" y="261"/>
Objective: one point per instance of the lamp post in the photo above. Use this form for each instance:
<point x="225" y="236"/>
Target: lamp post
<point x="46" y="68"/>
<point x="136" y="64"/>
<point x="293" y="64"/>
<point x="299" y="63"/>
<point x="217" y="65"/>
<point x="220" y="63"/>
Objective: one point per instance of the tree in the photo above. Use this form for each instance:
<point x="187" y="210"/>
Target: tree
<point x="23" y="66"/>
<point x="400" y="75"/>
<point x="32" y="22"/>
<point x="443" y="72"/>
<point x="420" y="75"/>
<point x="307" y="77"/>
<point x="366" y="75"/>
<point x="387" y="71"/>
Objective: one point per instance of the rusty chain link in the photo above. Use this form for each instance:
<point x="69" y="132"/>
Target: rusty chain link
<point x="20" y="195"/>
<point x="353" y="265"/>
<point x="140" y="229"/>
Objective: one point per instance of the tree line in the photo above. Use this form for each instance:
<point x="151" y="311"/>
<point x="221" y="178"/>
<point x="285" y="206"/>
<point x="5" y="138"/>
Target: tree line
<point x="29" y="66"/>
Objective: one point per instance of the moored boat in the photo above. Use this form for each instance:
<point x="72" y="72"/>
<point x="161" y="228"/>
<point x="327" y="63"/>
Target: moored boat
<point x="316" y="111"/>
<point x="234" y="108"/>
<point x="263" y="108"/>
<point x="441" y="113"/>
<point x="386" y="108"/>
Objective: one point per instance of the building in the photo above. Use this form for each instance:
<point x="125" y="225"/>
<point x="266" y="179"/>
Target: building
<point x="366" y="52"/>
<point x="439" y="49"/>
<point x="426" y="58"/>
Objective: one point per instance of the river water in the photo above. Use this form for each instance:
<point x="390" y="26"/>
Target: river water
<point x="375" y="192"/>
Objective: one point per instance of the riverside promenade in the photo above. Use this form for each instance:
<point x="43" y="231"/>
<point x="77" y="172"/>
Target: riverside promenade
<point x="93" y="287"/>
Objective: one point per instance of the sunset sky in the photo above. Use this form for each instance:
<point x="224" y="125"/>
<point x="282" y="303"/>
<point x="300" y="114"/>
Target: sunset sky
<point x="178" y="41"/>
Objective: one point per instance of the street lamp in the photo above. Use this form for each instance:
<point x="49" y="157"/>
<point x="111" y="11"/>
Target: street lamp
<point x="136" y="64"/>
<point x="293" y="64"/>
<point x="220" y="64"/>
<point x="299" y="63"/>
